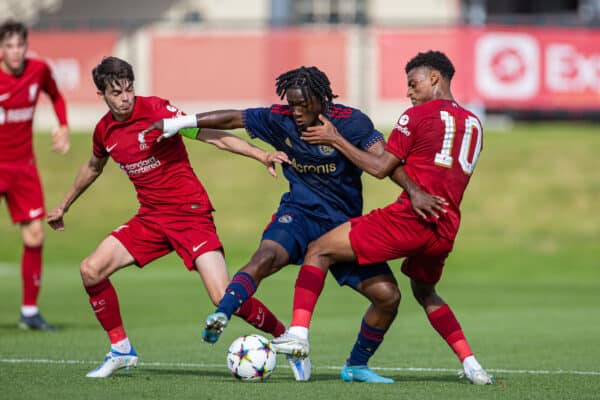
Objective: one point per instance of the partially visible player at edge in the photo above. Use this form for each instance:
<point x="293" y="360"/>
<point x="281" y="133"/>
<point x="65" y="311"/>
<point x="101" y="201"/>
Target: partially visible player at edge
<point x="175" y="211"/>
<point x="21" y="81"/>
<point x="439" y="143"/>
<point x="325" y="191"/>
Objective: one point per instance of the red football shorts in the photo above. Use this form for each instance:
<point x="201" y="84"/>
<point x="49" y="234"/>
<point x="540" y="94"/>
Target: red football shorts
<point x="395" y="232"/>
<point x="152" y="234"/>
<point x="21" y="185"/>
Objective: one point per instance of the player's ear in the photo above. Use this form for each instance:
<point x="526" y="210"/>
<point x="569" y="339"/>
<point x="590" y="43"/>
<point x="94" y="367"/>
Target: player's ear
<point x="434" y="77"/>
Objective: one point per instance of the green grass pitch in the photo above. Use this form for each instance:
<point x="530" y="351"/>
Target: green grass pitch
<point x="524" y="281"/>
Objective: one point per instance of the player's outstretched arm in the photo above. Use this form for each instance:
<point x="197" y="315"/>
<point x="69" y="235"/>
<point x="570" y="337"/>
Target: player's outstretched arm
<point x="378" y="164"/>
<point x="423" y="203"/>
<point x="221" y="119"/>
<point x="86" y="176"/>
<point x="237" y="145"/>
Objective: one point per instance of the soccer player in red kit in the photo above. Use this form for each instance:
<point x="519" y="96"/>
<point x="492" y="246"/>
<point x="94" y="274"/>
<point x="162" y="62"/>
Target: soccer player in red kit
<point x="436" y="143"/>
<point x="21" y="81"/>
<point x="175" y="211"/>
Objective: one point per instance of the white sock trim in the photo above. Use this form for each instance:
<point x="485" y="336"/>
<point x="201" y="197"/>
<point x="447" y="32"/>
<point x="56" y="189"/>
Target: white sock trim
<point x="300" y="331"/>
<point x="29" y="311"/>
<point x="122" y="346"/>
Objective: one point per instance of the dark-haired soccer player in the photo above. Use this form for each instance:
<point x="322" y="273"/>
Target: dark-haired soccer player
<point x="21" y="81"/>
<point x="437" y="143"/>
<point x="325" y="191"/>
<point x="175" y="211"/>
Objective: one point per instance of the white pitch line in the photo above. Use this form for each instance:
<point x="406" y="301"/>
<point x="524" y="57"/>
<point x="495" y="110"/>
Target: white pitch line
<point x="332" y="367"/>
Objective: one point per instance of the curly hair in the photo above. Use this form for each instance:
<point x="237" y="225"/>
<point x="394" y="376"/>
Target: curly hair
<point x="434" y="60"/>
<point x="110" y="70"/>
<point x="312" y="81"/>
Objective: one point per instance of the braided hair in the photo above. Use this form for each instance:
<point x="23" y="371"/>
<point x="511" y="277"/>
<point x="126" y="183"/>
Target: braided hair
<point x="310" y="80"/>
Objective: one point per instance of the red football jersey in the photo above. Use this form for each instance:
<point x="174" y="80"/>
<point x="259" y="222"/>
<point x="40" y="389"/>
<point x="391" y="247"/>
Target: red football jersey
<point x="440" y="142"/>
<point x="161" y="172"/>
<point x="18" y="98"/>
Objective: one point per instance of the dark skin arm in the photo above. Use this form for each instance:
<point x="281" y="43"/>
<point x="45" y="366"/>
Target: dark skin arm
<point x="379" y="164"/>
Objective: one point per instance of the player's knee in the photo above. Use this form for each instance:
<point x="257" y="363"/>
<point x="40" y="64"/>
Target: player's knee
<point x="33" y="237"/>
<point x="90" y="272"/>
<point x="424" y="294"/>
<point x="386" y="298"/>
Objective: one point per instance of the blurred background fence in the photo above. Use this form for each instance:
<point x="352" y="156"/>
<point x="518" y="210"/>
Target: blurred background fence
<point x="527" y="59"/>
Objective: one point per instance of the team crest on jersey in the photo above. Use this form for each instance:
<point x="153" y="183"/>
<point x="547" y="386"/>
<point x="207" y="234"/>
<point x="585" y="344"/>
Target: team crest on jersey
<point x="285" y="218"/>
<point x="142" y="140"/>
<point x="326" y="150"/>
<point x="33" y="89"/>
<point x="403" y="120"/>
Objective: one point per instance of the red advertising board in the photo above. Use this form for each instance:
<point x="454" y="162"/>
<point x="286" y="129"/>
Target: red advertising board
<point x="72" y="55"/>
<point x="502" y="67"/>
<point x="201" y="66"/>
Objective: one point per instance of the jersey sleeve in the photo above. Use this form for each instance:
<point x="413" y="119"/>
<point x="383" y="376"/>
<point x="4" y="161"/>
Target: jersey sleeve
<point x="259" y="124"/>
<point x="364" y="133"/>
<point x="98" y="147"/>
<point x="51" y="88"/>
<point x="401" y="139"/>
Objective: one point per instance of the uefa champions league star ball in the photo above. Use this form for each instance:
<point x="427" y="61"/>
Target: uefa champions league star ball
<point x="250" y="358"/>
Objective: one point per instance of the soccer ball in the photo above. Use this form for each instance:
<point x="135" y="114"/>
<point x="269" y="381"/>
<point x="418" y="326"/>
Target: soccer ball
<point x="251" y="358"/>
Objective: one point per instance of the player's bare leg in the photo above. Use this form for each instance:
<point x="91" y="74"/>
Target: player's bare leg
<point x="109" y="257"/>
<point x="213" y="271"/>
<point x="445" y="323"/>
<point x="383" y="292"/>
<point x="32" y="233"/>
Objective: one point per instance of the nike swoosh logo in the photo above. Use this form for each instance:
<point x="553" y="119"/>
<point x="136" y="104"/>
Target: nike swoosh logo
<point x="196" y="248"/>
<point x="109" y="149"/>
<point x="4" y="96"/>
<point x="35" y="212"/>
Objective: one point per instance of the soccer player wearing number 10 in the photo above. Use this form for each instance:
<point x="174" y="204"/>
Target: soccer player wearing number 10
<point x="439" y="143"/>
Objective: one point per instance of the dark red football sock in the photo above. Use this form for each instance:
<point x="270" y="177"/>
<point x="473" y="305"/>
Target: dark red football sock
<point x="105" y="304"/>
<point x="445" y="323"/>
<point x="31" y="274"/>
<point x="258" y="315"/>
<point x="309" y="285"/>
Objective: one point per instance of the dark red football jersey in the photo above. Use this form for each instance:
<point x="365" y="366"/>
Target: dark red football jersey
<point x="18" y="98"/>
<point x="161" y="172"/>
<point x="440" y="142"/>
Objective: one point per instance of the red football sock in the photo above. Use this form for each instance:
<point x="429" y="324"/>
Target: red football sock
<point x="31" y="274"/>
<point x="309" y="285"/>
<point x="445" y="323"/>
<point x="105" y="304"/>
<point x="258" y="315"/>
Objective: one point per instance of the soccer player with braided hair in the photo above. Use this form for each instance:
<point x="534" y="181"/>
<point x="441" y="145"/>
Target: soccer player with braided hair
<point x="325" y="192"/>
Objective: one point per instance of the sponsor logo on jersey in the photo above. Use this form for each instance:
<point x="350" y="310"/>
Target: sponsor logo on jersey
<point x="16" y="115"/>
<point x="326" y="150"/>
<point x="35" y="212"/>
<point x="314" y="168"/>
<point x="141" y="167"/>
<point x="33" y="90"/>
<point x="285" y="218"/>
<point x="110" y="148"/>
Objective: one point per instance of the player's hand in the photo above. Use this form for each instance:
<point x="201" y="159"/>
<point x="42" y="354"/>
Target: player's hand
<point x="321" y="134"/>
<point x="55" y="219"/>
<point x="277" y="157"/>
<point x="158" y="125"/>
<point x="60" y="140"/>
<point x="426" y="204"/>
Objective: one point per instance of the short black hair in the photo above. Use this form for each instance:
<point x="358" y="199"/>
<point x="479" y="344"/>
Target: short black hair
<point x="434" y="60"/>
<point x="311" y="80"/>
<point x="11" y="27"/>
<point x="110" y="70"/>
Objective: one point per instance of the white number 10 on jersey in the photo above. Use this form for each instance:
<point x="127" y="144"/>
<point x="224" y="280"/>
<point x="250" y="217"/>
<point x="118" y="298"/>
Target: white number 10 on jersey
<point x="444" y="157"/>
